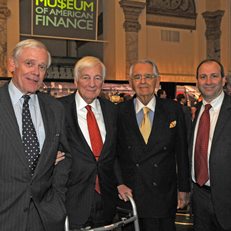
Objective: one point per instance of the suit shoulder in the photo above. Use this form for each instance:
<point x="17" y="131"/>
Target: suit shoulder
<point x="48" y="99"/>
<point x="169" y="103"/>
<point x="107" y="102"/>
<point x="66" y="99"/>
<point x="124" y="104"/>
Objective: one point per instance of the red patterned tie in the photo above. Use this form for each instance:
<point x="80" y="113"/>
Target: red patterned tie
<point x="201" y="147"/>
<point x="95" y="138"/>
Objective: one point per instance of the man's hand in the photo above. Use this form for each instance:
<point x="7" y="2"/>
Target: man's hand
<point x="59" y="157"/>
<point x="124" y="191"/>
<point x="183" y="199"/>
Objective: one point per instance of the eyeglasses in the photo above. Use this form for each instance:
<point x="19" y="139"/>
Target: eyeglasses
<point x="147" y="77"/>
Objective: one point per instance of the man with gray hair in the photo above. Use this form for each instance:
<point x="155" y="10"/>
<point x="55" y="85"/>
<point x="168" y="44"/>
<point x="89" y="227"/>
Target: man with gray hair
<point x="152" y="151"/>
<point x="32" y="187"/>
<point x="91" y="123"/>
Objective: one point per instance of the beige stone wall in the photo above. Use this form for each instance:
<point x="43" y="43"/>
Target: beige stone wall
<point x="177" y="61"/>
<point x="12" y="26"/>
<point x="4" y="13"/>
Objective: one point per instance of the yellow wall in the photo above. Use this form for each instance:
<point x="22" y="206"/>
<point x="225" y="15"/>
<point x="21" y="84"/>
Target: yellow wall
<point x="177" y="61"/>
<point x="12" y="26"/>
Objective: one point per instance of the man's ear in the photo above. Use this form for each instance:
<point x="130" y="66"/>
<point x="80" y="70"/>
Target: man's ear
<point x="76" y="83"/>
<point x="11" y="65"/>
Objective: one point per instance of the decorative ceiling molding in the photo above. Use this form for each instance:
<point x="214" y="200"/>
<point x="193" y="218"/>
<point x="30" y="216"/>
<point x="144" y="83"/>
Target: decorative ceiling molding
<point x="172" y="13"/>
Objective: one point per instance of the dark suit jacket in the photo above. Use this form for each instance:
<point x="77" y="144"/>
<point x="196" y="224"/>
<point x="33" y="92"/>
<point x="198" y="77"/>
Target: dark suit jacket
<point x="150" y="170"/>
<point x="85" y="167"/>
<point x="47" y="186"/>
<point x="220" y="164"/>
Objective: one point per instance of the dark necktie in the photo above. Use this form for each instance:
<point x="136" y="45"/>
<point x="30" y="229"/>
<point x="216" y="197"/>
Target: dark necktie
<point x="29" y="136"/>
<point x="95" y="138"/>
<point x="201" y="147"/>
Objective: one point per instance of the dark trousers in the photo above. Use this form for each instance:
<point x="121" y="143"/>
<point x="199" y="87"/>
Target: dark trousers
<point x="96" y="218"/>
<point x="204" y="216"/>
<point x="154" y="224"/>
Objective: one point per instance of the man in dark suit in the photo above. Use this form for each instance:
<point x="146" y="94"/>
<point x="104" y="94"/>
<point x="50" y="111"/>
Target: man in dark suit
<point x="92" y="191"/>
<point x="211" y="188"/>
<point x="32" y="188"/>
<point x="153" y="166"/>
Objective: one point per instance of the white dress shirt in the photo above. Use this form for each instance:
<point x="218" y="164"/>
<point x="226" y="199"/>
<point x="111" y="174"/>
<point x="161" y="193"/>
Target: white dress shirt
<point x="214" y="113"/>
<point x="17" y="102"/>
<point x="82" y="117"/>
<point x="139" y="109"/>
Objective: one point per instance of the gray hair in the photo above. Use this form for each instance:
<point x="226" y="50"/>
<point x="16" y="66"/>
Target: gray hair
<point x="145" y="61"/>
<point x="29" y="43"/>
<point x="88" y="61"/>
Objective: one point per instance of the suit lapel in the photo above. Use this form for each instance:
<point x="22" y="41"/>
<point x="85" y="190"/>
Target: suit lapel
<point x="224" y="116"/>
<point x="74" y="126"/>
<point x="131" y="121"/>
<point x="9" y="123"/>
<point x="157" y="124"/>
<point x="48" y="122"/>
<point x="193" y="130"/>
<point x="108" y="127"/>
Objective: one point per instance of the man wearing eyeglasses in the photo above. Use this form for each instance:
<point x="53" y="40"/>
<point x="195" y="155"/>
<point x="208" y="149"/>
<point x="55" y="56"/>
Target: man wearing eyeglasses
<point x="91" y="124"/>
<point x="152" y="152"/>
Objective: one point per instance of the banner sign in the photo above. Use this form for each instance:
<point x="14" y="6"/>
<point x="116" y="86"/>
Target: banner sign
<point x="73" y="19"/>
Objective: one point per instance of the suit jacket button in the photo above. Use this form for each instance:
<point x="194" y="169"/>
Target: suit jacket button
<point x="155" y="165"/>
<point x="154" y="184"/>
<point x="165" y="148"/>
<point x="137" y="165"/>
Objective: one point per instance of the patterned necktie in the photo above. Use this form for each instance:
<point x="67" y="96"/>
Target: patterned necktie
<point x="29" y="136"/>
<point x="145" y="126"/>
<point x="95" y="138"/>
<point x="201" y="147"/>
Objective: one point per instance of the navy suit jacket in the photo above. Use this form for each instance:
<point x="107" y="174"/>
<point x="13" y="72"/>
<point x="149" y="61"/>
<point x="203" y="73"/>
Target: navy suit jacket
<point x="154" y="170"/>
<point x="85" y="167"/>
<point x="220" y="163"/>
<point x="47" y="186"/>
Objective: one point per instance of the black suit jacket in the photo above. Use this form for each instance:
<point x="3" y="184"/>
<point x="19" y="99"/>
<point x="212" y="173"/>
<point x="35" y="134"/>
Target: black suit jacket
<point x="85" y="167"/>
<point x="47" y="186"/>
<point x="150" y="170"/>
<point x="220" y="163"/>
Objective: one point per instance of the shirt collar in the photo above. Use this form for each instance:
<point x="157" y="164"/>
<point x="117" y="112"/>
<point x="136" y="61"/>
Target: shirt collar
<point x="82" y="104"/>
<point x="16" y="94"/>
<point x="139" y="105"/>
<point x="216" y="103"/>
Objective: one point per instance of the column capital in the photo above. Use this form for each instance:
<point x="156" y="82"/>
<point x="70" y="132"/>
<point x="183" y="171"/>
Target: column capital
<point x="213" y="22"/>
<point x="4" y="12"/>
<point x="132" y="10"/>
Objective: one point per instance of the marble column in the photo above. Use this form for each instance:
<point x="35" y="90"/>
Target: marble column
<point x="4" y="13"/>
<point x="213" y="33"/>
<point x="132" y="11"/>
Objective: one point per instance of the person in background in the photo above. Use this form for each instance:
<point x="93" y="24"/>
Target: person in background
<point x="92" y="191"/>
<point x="227" y="87"/>
<point x="210" y="150"/>
<point x="33" y="188"/>
<point x="181" y="99"/>
<point x="161" y="94"/>
<point x="151" y="145"/>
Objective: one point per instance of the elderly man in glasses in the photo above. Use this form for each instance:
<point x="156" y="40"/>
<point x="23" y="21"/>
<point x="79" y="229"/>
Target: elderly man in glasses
<point x="152" y="152"/>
